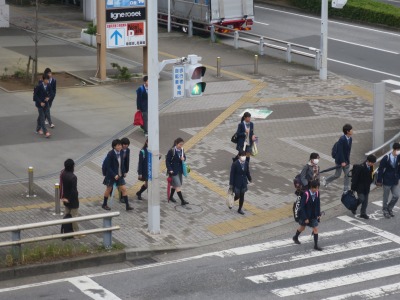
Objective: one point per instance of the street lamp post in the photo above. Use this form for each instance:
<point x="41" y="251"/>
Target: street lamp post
<point x="323" y="71"/>
<point x="153" y="120"/>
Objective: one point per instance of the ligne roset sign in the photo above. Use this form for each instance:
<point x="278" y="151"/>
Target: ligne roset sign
<point x="126" y="14"/>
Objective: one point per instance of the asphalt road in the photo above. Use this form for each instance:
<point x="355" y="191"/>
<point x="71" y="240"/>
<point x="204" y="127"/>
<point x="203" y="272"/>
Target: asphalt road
<point x="360" y="259"/>
<point x="358" y="51"/>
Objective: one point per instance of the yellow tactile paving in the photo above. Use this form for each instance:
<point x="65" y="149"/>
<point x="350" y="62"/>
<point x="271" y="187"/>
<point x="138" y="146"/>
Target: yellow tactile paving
<point x="306" y="98"/>
<point x="359" y="91"/>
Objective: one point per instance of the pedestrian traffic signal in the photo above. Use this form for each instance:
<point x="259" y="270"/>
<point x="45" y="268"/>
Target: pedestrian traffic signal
<point x="194" y="79"/>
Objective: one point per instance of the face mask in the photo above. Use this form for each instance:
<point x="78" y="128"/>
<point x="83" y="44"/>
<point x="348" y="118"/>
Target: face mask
<point x="242" y="158"/>
<point x="397" y="152"/>
<point x="316" y="161"/>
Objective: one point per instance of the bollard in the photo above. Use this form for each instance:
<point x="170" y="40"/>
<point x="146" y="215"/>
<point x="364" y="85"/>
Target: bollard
<point x="261" y="49"/>
<point x="57" y="198"/>
<point x="289" y="53"/>
<point x="16" y="249"/>
<point x="317" y="62"/>
<point x="218" y="67"/>
<point x="107" y="235"/>
<point x="30" y="183"/>
<point x="190" y="28"/>
<point x="256" y="64"/>
<point x="212" y="33"/>
<point x="236" y="39"/>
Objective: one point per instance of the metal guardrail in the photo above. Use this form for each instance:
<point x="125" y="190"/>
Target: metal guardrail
<point x="16" y="231"/>
<point x="261" y="41"/>
<point x="381" y="150"/>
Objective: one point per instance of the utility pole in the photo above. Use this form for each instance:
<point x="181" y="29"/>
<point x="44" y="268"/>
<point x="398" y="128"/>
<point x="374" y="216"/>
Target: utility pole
<point x="323" y="71"/>
<point x="36" y="41"/>
<point x="101" y="40"/>
<point x="153" y="119"/>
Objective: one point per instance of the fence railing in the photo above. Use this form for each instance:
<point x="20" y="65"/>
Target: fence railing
<point x="251" y="38"/>
<point x="384" y="149"/>
<point x="16" y="240"/>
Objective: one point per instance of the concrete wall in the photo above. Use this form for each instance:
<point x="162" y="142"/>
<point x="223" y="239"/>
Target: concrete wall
<point x="4" y="14"/>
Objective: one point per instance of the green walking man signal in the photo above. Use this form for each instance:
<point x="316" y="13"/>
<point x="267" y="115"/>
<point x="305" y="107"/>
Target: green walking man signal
<point x="194" y="85"/>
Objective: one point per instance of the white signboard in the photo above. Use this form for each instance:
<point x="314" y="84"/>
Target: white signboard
<point x="128" y="34"/>
<point x="124" y="3"/>
<point x="178" y="81"/>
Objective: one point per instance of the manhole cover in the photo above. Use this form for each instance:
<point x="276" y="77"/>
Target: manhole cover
<point x="189" y="209"/>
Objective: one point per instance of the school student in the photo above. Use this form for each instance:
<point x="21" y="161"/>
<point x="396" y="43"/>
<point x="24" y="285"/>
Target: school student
<point x="238" y="179"/>
<point x="361" y="179"/>
<point x="142" y="169"/>
<point x="388" y="177"/>
<point x="310" y="171"/>
<point x="245" y="136"/>
<point x="342" y="158"/>
<point x="53" y="89"/>
<point x="173" y="161"/>
<point x="41" y="97"/>
<point x="310" y="213"/>
<point x="115" y="170"/>
<point x="142" y="102"/>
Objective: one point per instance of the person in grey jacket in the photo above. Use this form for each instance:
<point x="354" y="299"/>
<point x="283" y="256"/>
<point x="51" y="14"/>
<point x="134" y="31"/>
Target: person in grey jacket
<point x="310" y="171"/>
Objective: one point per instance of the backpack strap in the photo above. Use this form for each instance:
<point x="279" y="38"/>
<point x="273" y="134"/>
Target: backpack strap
<point x="307" y="196"/>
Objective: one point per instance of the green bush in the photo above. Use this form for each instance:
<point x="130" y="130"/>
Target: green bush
<point x="92" y="29"/>
<point x="360" y="10"/>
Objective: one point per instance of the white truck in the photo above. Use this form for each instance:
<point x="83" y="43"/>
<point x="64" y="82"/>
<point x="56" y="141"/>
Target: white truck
<point x="233" y="14"/>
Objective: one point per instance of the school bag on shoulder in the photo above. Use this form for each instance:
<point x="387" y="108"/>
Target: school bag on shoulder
<point x="296" y="205"/>
<point x="234" y="138"/>
<point x="334" y="150"/>
<point x="104" y="165"/>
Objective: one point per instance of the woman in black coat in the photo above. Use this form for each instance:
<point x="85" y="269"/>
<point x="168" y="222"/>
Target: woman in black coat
<point x="239" y="177"/>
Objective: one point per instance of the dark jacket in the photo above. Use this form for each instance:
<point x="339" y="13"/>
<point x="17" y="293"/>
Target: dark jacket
<point x="69" y="189"/>
<point x="343" y="150"/>
<point x="53" y="88"/>
<point x="112" y="165"/>
<point x="311" y="209"/>
<point x="307" y="175"/>
<point x="174" y="162"/>
<point x="361" y="179"/>
<point x="241" y="135"/>
<point x="143" y="163"/>
<point x="239" y="177"/>
<point x="386" y="173"/>
<point x="126" y="158"/>
<point x="41" y="93"/>
<point x="142" y="99"/>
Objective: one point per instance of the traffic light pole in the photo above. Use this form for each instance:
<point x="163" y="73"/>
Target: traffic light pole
<point x="323" y="71"/>
<point x="153" y="118"/>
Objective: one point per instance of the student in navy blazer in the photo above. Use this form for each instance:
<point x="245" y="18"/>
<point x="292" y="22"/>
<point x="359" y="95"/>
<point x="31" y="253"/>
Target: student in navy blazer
<point x="53" y="85"/>
<point x="245" y="136"/>
<point x="310" y="213"/>
<point x="115" y="171"/>
<point x="173" y="162"/>
<point x="388" y="177"/>
<point x="342" y="158"/>
<point x="125" y="152"/>
<point x="41" y="97"/>
<point x="238" y="179"/>
<point x="142" y="169"/>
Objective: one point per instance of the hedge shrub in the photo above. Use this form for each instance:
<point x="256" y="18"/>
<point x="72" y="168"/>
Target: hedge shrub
<point x="362" y="10"/>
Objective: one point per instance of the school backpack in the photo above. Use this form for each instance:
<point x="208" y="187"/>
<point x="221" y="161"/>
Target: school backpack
<point x="35" y="90"/>
<point x="67" y="228"/>
<point x="104" y="165"/>
<point x="296" y="205"/>
<point x="335" y="150"/>
<point x="298" y="185"/>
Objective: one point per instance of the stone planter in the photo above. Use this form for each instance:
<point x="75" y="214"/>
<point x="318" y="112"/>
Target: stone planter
<point x="88" y="39"/>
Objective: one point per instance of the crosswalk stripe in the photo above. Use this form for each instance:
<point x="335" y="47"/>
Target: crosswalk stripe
<point x="271" y="245"/>
<point x="349" y="246"/>
<point x="386" y="234"/>
<point x="373" y="293"/>
<point x="92" y="289"/>
<point x="325" y="267"/>
<point x="337" y="281"/>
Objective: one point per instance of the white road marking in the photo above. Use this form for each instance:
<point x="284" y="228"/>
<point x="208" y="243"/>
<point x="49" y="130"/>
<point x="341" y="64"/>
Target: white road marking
<point x="92" y="289"/>
<point x="387" y="235"/>
<point x="325" y="267"/>
<point x="222" y="254"/>
<point x="337" y="281"/>
<point x="380" y="203"/>
<point x="261" y="23"/>
<point x="333" y="22"/>
<point x="364" y="68"/>
<point x="374" y="293"/>
<point x="365" y="46"/>
<point x="348" y="246"/>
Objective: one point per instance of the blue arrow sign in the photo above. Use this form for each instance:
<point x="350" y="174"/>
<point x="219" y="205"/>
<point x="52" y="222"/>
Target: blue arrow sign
<point x="116" y="34"/>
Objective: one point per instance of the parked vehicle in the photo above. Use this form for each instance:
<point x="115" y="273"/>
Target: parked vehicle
<point x="233" y="14"/>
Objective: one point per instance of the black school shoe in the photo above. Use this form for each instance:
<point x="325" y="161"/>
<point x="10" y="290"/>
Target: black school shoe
<point x="366" y="217"/>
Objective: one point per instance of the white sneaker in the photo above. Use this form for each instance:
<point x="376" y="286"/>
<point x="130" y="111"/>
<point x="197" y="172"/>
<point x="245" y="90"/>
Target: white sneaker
<point x="46" y="122"/>
<point x="52" y="125"/>
<point x="323" y="181"/>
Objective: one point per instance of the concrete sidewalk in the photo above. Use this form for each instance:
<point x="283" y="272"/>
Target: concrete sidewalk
<point x="307" y="116"/>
